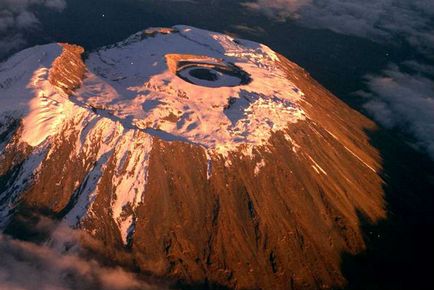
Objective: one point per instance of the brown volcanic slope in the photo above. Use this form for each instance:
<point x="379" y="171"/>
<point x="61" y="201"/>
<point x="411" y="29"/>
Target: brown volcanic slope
<point x="284" y="227"/>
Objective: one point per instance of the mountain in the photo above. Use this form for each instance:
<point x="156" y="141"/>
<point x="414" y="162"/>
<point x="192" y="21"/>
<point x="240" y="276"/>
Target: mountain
<point x="192" y="156"/>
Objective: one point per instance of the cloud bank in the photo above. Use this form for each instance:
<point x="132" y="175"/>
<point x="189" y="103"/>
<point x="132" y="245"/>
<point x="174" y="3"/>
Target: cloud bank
<point x="399" y="99"/>
<point x="402" y="95"/>
<point x="382" y="20"/>
<point x="18" y="17"/>
<point x="58" y="265"/>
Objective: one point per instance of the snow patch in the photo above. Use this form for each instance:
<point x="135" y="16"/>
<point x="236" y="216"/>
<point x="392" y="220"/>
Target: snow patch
<point x="27" y="172"/>
<point x="316" y="166"/>
<point x="259" y="166"/>
<point x="133" y="83"/>
<point x="360" y="159"/>
<point x="132" y="155"/>
<point x="295" y="147"/>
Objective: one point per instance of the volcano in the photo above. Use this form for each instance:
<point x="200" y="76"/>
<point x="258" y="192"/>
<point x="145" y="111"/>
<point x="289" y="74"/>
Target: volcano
<point x="192" y="156"/>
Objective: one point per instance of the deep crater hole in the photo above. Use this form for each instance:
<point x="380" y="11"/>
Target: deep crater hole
<point x="204" y="74"/>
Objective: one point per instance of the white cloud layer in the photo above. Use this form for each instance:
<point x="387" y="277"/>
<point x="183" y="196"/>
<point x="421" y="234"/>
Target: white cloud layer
<point x="396" y="98"/>
<point x="375" y="19"/>
<point x="58" y="265"/>
<point x="399" y="99"/>
<point x="17" y="16"/>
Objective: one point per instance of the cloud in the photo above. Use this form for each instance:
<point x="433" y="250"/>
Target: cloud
<point x="403" y="97"/>
<point x="278" y="9"/>
<point x="253" y="30"/>
<point x="17" y="17"/>
<point x="59" y="264"/>
<point x="381" y="20"/>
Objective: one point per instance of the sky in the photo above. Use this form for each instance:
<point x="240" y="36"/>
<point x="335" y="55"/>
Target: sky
<point x="384" y="47"/>
<point x="17" y="18"/>
<point x="398" y="96"/>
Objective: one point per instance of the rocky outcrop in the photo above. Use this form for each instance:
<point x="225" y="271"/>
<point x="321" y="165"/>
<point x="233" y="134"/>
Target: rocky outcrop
<point x="68" y="69"/>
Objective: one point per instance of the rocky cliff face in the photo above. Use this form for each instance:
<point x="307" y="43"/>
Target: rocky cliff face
<point x="244" y="172"/>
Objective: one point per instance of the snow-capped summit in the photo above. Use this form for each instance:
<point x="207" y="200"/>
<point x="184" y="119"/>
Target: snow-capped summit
<point x="203" y="156"/>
